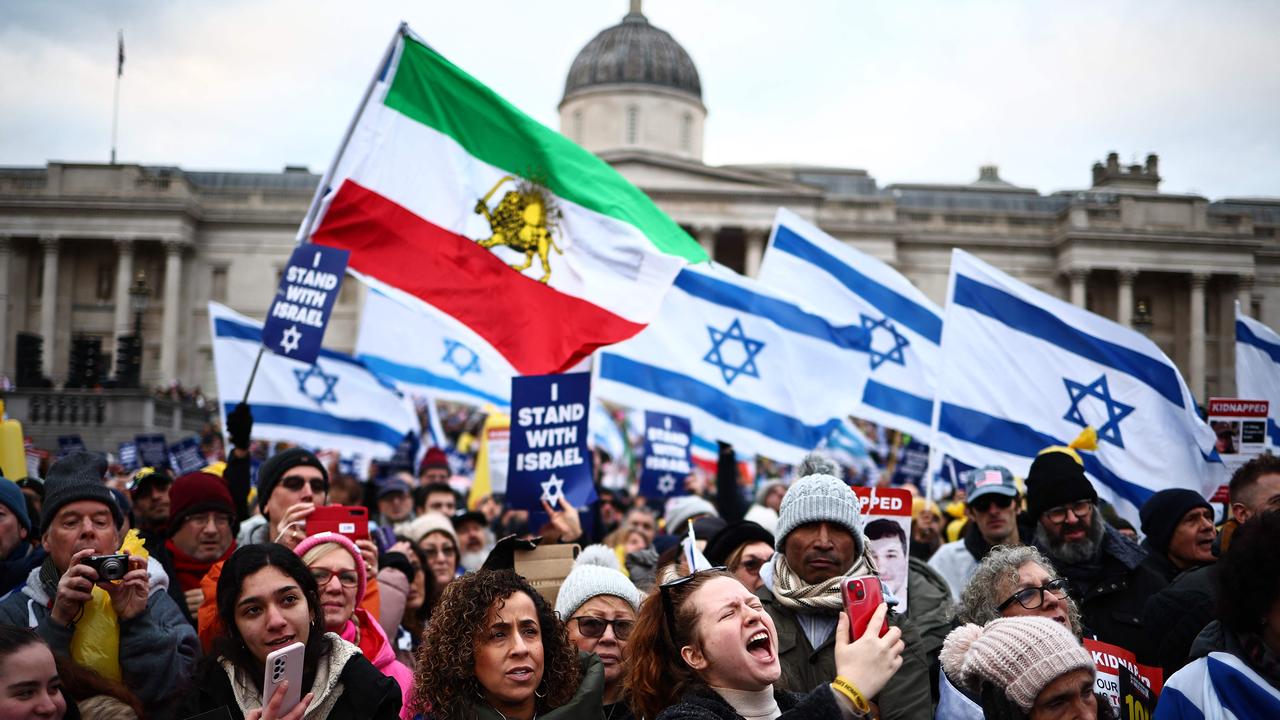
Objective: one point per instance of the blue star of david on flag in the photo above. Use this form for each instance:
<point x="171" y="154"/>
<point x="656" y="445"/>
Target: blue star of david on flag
<point x="315" y="384"/>
<point x="893" y="354"/>
<point x="1116" y="411"/>
<point x="460" y="358"/>
<point x="750" y="348"/>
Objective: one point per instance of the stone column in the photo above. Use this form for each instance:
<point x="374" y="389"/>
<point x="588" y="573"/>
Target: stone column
<point x="1124" y="302"/>
<point x="1079" y="276"/>
<point x="124" y="276"/>
<point x="754" y="252"/>
<point x="5" y="253"/>
<point x="171" y="311"/>
<point x="707" y="239"/>
<point x="1198" y="281"/>
<point x="49" y="302"/>
<point x="1244" y="295"/>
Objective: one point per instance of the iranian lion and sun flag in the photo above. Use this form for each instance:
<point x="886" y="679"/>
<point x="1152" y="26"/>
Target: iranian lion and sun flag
<point x="447" y="193"/>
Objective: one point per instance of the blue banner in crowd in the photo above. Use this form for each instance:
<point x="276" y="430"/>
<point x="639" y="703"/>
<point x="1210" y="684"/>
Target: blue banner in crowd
<point x="129" y="456"/>
<point x="549" y="459"/>
<point x="308" y="288"/>
<point x="152" y="450"/>
<point x="68" y="444"/>
<point x="185" y="457"/>
<point x="667" y="460"/>
<point x="913" y="461"/>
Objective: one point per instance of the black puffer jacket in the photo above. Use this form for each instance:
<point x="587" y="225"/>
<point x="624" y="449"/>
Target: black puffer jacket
<point x="705" y="704"/>
<point x="1178" y="613"/>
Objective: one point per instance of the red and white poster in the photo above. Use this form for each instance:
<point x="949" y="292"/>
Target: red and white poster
<point x="1241" y="427"/>
<point x="1109" y="659"/>
<point x="886" y="523"/>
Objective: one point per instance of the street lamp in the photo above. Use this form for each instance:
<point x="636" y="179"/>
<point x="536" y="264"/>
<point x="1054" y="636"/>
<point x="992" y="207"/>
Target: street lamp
<point x="1142" y="318"/>
<point x="139" y="298"/>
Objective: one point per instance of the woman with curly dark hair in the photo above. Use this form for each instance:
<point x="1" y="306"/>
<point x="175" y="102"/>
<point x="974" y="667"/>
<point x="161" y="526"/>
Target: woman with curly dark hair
<point x="495" y="650"/>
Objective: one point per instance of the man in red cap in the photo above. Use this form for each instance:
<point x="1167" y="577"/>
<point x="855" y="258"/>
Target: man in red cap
<point x="435" y="467"/>
<point x="202" y="531"/>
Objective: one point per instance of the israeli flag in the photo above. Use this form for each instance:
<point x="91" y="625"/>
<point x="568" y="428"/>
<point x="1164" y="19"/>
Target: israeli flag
<point x="850" y="287"/>
<point x="427" y="353"/>
<point x="337" y="403"/>
<point x="1026" y="370"/>
<point x="745" y="364"/>
<point x="1258" y="368"/>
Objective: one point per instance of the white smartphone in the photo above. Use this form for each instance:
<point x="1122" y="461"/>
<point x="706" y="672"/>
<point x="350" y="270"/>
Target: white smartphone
<point x="284" y="664"/>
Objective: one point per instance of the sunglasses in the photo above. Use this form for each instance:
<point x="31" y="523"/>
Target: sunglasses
<point x="984" y="503"/>
<point x="347" y="578"/>
<point x="594" y="627"/>
<point x="294" y="483"/>
<point x="1032" y="598"/>
<point x="668" y="605"/>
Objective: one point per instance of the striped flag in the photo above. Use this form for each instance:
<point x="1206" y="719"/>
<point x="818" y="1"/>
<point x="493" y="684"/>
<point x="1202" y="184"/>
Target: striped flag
<point x="849" y="286"/>
<point x="1258" y="368"/>
<point x="120" y="54"/>
<point x="746" y="365"/>
<point x="449" y="193"/>
<point x="1026" y="370"/>
<point x="337" y="403"/>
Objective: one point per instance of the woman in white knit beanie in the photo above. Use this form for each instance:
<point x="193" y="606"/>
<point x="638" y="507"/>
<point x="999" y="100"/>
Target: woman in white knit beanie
<point x="1024" y="668"/>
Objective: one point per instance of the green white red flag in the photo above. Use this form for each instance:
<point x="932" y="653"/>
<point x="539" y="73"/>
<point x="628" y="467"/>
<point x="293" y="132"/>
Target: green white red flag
<point x="444" y="189"/>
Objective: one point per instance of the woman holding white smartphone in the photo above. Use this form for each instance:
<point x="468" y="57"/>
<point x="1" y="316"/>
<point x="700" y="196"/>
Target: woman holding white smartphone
<point x="268" y="600"/>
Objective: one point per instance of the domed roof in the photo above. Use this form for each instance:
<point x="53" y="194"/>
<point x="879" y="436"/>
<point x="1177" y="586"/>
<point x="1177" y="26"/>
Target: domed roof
<point x="634" y="52"/>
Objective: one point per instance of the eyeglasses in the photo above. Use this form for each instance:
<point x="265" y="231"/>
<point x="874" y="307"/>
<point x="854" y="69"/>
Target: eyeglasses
<point x="220" y="520"/>
<point x="444" y="551"/>
<point x="593" y="627"/>
<point x="984" y="503"/>
<point x="668" y="605"/>
<point x="348" y="578"/>
<point x="1032" y="598"/>
<point x="294" y="483"/>
<point x="1080" y="509"/>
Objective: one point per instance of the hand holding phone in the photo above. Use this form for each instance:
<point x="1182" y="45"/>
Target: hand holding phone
<point x="349" y="520"/>
<point x="283" y="668"/>
<point x="862" y="595"/>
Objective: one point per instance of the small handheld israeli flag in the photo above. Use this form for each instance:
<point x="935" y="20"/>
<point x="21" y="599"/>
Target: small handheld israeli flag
<point x="692" y="555"/>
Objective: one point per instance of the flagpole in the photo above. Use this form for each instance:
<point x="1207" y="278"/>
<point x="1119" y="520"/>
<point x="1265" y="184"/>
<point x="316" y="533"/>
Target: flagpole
<point x="304" y="231"/>
<point x="115" y="105"/>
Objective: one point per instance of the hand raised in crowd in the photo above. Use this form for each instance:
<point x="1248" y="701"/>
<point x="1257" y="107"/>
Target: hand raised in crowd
<point x="871" y="660"/>
<point x="75" y="588"/>
<point x="293" y="524"/>
<point x="272" y="710"/>
<point x="369" y="552"/>
<point x="565" y="524"/>
<point x="240" y="426"/>
<point x="129" y="594"/>
<point x="194" y="598"/>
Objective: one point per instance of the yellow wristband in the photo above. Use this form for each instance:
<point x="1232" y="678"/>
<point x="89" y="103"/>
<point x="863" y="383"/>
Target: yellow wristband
<point x="849" y="690"/>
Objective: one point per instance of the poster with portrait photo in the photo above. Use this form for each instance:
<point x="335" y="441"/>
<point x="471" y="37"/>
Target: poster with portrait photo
<point x="886" y="524"/>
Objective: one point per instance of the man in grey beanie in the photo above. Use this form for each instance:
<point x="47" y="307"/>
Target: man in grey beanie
<point x="819" y="544"/>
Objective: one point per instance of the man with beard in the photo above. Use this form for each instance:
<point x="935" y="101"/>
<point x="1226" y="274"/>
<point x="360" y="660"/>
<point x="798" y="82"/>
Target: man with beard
<point x="1105" y="570"/>
<point x="991" y="506"/>
<point x="475" y="539"/>
<point x="819" y="543"/>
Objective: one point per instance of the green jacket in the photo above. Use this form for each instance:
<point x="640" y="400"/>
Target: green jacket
<point x="587" y="703"/>
<point x="905" y="697"/>
<point x="929" y="608"/>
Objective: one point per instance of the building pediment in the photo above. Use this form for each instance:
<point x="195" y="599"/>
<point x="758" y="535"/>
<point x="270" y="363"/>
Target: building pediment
<point x="653" y="172"/>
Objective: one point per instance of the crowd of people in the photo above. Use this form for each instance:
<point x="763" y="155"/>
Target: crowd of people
<point x="428" y="615"/>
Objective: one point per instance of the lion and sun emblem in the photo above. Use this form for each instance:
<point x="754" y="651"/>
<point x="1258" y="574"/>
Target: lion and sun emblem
<point x="524" y="220"/>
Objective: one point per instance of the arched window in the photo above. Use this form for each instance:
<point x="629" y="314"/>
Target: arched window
<point x="633" y="124"/>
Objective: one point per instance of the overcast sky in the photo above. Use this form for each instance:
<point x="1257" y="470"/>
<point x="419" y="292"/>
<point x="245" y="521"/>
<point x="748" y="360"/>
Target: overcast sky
<point x="909" y="91"/>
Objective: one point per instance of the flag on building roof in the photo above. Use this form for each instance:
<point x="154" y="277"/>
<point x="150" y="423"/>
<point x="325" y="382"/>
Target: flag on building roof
<point x="449" y="193"/>
<point x="745" y="364"/>
<point x="1026" y="370"/>
<point x="336" y="403"/>
<point x="1258" y="368"/>
<point x="849" y="286"/>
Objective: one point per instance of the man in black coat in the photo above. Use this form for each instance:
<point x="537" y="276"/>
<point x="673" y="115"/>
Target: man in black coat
<point x="1178" y="524"/>
<point x="1105" y="570"/>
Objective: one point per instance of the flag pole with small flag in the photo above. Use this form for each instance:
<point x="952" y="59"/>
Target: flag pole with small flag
<point x="115" y="105"/>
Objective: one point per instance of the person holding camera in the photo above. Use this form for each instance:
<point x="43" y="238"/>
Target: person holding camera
<point x="156" y="648"/>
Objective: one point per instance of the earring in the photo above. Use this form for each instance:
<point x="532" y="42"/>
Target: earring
<point x="539" y="694"/>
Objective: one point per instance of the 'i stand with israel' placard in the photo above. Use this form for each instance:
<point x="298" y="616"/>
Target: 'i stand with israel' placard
<point x="549" y="459"/>
<point x="667" y="462"/>
<point x="308" y="288"/>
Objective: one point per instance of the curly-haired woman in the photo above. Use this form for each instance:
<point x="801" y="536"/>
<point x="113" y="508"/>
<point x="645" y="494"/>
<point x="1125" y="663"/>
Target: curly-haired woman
<point x="494" y="649"/>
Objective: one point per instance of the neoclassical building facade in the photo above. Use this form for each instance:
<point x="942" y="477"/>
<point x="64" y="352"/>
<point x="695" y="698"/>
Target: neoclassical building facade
<point x="75" y="237"/>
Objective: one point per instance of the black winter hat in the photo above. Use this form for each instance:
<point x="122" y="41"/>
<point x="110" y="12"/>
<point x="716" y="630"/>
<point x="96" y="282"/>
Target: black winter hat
<point x="77" y="477"/>
<point x="1056" y="478"/>
<point x="282" y="462"/>
<point x="1162" y="512"/>
<point x="734" y="536"/>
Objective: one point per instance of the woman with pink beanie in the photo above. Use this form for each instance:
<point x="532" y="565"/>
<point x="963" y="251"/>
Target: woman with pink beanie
<point x="339" y="570"/>
<point x="1024" y="668"/>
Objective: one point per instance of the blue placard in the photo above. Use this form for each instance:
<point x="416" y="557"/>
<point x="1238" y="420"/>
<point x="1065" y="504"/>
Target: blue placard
<point x="308" y="288"/>
<point x="913" y="461"/>
<point x="152" y="451"/>
<point x="129" y="456"/>
<point x="68" y="444"/>
<point x="549" y="456"/>
<point x="185" y="457"/>
<point x="667" y="460"/>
